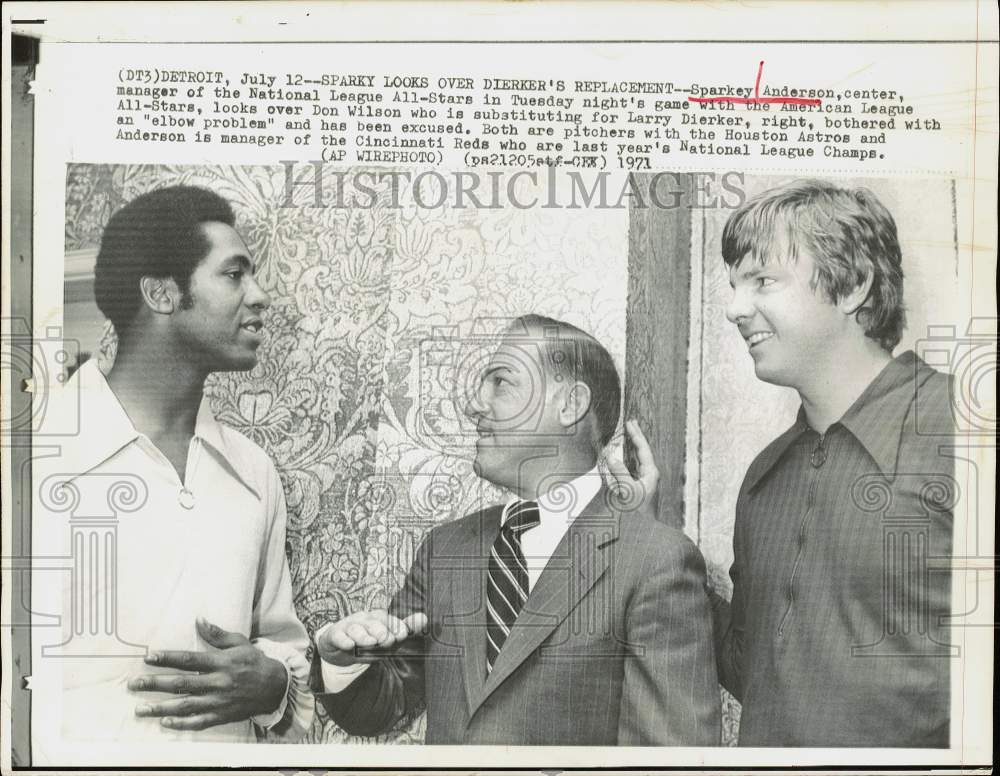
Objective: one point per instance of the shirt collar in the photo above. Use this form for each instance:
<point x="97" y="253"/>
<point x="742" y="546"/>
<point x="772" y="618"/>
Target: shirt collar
<point x="771" y="454"/>
<point x="212" y="433"/>
<point x="105" y="428"/>
<point x="108" y="429"/>
<point x="875" y="419"/>
<point x="878" y="416"/>
<point x="565" y="500"/>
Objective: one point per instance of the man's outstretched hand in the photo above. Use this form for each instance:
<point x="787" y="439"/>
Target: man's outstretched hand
<point x="233" y="684"/>
<point x="340" y="643"/>
<point x="637" y="493"/>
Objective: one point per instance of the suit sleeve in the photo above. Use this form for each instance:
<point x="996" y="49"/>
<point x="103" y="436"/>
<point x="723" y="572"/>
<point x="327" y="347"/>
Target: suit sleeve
<point x="670" y="695"/>
<point x="392" y="688"/>
<point x="728" y="620"/>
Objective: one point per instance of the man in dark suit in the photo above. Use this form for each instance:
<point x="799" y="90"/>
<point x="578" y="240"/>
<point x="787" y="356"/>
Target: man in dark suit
<point x="552" y="620"/>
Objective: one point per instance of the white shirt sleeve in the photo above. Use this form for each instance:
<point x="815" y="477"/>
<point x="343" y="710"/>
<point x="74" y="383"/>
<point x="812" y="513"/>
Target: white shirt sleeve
<point x="338" y="678"/>
<point x="277" y="631"/>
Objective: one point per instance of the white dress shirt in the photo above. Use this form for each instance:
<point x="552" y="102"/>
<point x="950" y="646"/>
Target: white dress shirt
<point x="558" y="507"/>
<point x="149" y="555"/>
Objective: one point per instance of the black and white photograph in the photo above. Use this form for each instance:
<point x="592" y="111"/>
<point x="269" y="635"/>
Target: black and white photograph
<point x="468" y="456"/>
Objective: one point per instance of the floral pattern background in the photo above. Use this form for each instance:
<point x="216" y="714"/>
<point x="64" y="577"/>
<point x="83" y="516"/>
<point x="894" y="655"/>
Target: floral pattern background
<point x="377" y="314"/>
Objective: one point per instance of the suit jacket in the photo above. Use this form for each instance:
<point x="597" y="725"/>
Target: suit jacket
<point x="613" y="645"/>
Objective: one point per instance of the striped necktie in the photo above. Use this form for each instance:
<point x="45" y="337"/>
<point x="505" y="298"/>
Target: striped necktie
<point x="507" y="589"/>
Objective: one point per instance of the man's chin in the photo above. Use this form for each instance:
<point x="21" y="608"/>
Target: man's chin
<point x="768" y="374"/>
<point x="763" y="373"/>
<point x="488" y="473"/>
<point x="244" y="364"/>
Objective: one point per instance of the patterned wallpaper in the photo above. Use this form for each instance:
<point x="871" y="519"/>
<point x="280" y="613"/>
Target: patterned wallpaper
<point x="377" y="314"/>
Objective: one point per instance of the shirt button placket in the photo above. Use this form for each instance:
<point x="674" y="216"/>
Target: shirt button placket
<point x="817" y="458"/>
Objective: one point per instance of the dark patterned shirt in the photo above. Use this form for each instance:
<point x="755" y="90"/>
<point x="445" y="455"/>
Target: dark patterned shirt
<point x="835" y="635"/>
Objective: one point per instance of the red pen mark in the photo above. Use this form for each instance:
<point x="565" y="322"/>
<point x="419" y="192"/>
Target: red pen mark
<point x="757" y="99"/>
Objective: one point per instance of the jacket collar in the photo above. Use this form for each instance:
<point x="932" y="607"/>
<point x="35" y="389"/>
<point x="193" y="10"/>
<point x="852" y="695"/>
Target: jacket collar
<point x="580" y="559"/>
<point x="876" y="419"/>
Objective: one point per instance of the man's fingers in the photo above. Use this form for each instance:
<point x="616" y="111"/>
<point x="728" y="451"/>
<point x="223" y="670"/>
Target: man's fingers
<point x="416" y="622"/>
<point x="384" y="637"/>
<point x="181" y="707"/>
<point x="219" y="637"/>
<point x="376" y="615"/>
<point x="636" y="492"/>
<point x="385" y="628"/>
<point x="178" y="684"/>
<point x="647" y="472"/>
<point x="338" y="639"/>
<point x="638" y="438"/>
<point x="196" y="722"/>
<point x="400" y="630"/>
<point x="360" y="635"/>
<point x="630" y="489"/>
<point x="366" y="636"/>
<point x="185" y="661"/>
<point x="376" y="628"/>
<point x="643" y="452"/>
<point x="618" y="469"/>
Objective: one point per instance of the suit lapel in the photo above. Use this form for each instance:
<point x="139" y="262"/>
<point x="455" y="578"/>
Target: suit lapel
<point x="579" y="560"/>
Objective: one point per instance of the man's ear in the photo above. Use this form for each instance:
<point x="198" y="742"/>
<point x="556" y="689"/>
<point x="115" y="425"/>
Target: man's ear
<point x="853" y="301"/>
<point x="161" y="295"/>
<point x="576" y="404"/>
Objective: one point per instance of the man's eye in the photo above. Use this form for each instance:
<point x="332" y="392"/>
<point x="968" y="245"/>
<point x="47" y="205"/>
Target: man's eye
<point x="763" y="282"/>
<point x="235" y="274"/>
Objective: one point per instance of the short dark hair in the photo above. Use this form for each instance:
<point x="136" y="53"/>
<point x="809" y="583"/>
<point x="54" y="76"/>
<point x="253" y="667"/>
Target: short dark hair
<point x="569" y="350"/>
<point x="850" y="235"/>
<point x="157" y="234"/>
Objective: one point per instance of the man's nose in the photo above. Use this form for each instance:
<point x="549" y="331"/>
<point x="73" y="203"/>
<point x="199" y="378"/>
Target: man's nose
<point x="474" y="405"/>
<point x="257" y="298"/>
<point x="739" y="305"/>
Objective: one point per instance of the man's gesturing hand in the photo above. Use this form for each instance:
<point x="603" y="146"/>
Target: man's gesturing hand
<point x="233" y="684"/>
<point x="638" y="493"/>
<point x="339" y="643"/>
